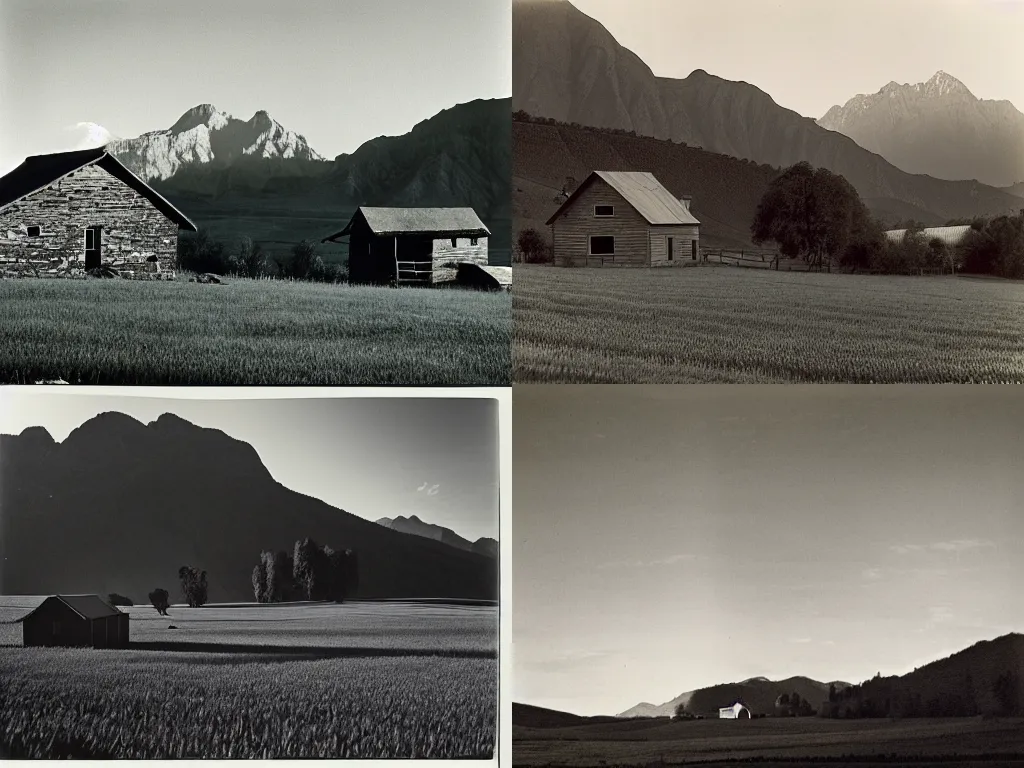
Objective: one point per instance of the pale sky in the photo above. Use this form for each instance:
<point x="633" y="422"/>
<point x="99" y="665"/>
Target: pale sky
<point x="671" y="538"/>
<point x="435" y="458"/>
<point x="811" y="54"/>
<point x="339" y="72"/>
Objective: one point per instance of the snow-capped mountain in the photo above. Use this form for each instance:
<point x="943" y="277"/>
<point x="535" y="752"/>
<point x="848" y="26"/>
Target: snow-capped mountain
<point x="937" y="127"/>
<point x="206" y="136"/>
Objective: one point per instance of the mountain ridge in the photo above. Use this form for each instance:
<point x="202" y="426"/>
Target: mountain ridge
<point x="414" y="526"/>
<point x="568" y="67"/>
<point x="938" y="127"/>
<point x="136" y="501"/>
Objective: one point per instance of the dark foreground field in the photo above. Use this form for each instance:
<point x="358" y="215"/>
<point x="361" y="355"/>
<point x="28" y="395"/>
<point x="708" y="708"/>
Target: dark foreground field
<point x="776" y="741"/>
<point x="725" y="324"/>
<point x="249" y="332"/>
<point x="316" y="680"/>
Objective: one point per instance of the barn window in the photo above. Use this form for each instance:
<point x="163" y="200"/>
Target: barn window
<point x="602" y="245"/>
<point x="90" y="238"/>
<point x="474" y="240"/>
<point x="604" y="210"/>
<point x="455" y="242"/>
<point x="34" y="231"/>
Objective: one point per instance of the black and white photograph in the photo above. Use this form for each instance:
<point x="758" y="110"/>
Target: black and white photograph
<point x="255" y="192"/>
<point x="735" y="191"/>
<point x="236" y="575"/>
<point x="782" y="575"/>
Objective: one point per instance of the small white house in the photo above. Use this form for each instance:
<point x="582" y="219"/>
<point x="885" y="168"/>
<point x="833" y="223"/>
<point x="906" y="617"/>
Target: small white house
<point x="736" y="712"/>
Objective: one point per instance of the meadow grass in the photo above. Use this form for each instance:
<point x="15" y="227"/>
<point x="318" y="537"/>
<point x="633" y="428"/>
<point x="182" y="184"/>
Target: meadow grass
<point x="249" y="332"/>
<point x="141" y="704"/>
<point x="722" y="324"/>
<point x="259" y="681"/>
<point x="784" y="739"/>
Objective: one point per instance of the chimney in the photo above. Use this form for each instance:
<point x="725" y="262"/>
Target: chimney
<point x="685" y="200"/>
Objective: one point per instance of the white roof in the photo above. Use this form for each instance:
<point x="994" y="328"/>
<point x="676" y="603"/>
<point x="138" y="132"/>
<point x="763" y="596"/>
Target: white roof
<point x="948" y="235"/>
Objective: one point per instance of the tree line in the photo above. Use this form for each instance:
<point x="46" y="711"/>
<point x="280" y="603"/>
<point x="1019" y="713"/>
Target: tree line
<point x="309" y="571"/>
<point x="818" y="216"/>
<point x="313" y="571"/>
<point x="201" y="253"/>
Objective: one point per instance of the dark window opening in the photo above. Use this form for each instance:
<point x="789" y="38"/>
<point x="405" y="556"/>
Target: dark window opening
<point x="604" y="210"/>
<point x="93" y="247"/>
<point x="670" y="249"/>
<point x="34" y="231"/>
<point x="693" y="246"/>
<point x="474" y="240"/>
<point x="455" y="242"/>
<point x="602" y="246"/>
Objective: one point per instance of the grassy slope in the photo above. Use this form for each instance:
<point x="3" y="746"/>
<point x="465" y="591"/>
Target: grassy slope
<point x="720" y="324"/>
<point x="229" y="697"/>
<point x="250" y="333"/>
<point x="639" y="742"/>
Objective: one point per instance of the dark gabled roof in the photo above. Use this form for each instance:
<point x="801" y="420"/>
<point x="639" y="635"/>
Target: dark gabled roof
<point x="408" y="221"/>
<point x="87" y="606"/>
<point x="642" y="191"/>
<point x="39" y="171"/>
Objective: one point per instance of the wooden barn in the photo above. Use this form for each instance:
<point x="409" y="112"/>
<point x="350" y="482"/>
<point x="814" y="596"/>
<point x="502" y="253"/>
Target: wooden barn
<point x="76" y="620"/>
<point x="624" y="218"/>
<point x="66" y="213"/>
<point x="411" y="246"/>
<point x="736" y="712"/>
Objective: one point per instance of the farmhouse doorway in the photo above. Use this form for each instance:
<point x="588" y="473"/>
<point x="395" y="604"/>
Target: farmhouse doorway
<point x="93" y="246"/>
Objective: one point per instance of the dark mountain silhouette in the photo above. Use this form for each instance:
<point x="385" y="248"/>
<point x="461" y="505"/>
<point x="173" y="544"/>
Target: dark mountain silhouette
<point x="459" y="157"/>
<point x="529" y="716"/>
<point x="119" y="506"/>
<point x="937" y="127"/>
<point x="758" y="694"/>
<point x="963" y="683"/>
<point x="567" y="66"/>
<point x="416" y="527"/>
<point x="1017" y="190"/>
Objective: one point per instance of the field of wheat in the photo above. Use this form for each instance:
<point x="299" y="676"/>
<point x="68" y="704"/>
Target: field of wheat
<point x="723" y="324"/>
<point x="141" y="704"/>
<point x="247" y="332"/>
<point x="295" y="680"/>
<point x="796" y="741"/>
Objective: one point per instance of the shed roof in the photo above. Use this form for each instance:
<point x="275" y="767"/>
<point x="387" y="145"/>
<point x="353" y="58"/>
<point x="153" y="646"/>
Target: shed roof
<point x="642" y="191"/>
<point x="87" y="606"/>
<point x="407" y="221"/>
<point x="40" y="171"/>
<point x="948" y="235"/>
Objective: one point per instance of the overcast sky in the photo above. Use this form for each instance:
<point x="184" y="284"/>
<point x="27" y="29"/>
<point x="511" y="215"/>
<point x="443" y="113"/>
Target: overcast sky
<point x="339" y="72"/>
<point x="811" y="54"/>
<point x="432" y="457"/>
<point x="670" y="538"/>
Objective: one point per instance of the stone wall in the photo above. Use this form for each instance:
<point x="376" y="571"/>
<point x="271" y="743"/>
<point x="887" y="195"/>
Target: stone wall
<point x="138" y="241"/>
<point x="448" y="252"/>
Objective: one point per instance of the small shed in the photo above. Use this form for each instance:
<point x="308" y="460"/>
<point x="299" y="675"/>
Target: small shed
<point x="75" y="620"/>
<point x="624" y="218"/>
<point x="736" y="712"/>
<point x="411" y="245"/>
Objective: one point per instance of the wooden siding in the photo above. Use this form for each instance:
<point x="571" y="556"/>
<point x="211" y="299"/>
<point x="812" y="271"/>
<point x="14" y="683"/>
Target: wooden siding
<point x="683" y="235"/>
<point x="372" y="258"/>
<point x="572" y="230"/>
<point x="138" y="240"/>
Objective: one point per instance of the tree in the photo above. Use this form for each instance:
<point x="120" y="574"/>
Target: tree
<point x="200" y="252"/>
<point x="193" y="585"/>
<point x="259" y="583"/>
<point x="832" y="692"/>
<point x="115" y="599"/>
<point x="1006" y="689"/>
<point x="812" y="214"/>
<point x="532" y="247"/>
<point x="249" y="261"/>
<point x="680" y="712"/>
<point x="160" y="600"/>
<point x="303" y="263"/>
<point x="305" y="565"/>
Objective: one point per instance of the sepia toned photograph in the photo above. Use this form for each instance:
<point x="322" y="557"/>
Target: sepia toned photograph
<point x="776" y="575"/>
<point x="250" y="192"/>
<point x="752" y="192"/>
<point x="248" y="577"/>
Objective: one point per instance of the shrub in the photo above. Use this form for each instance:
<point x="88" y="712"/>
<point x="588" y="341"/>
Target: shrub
<point x="115" y="599"/>
<point x="532" y="248"/>
<point x="160" y="600"/>
<point x="200" y="252"/>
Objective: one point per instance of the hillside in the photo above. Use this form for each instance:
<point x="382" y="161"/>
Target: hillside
<point x="758" y="694"/>
<point x="963" y="683"/>
<point x="568" y="67"/>
<point x="119" y="506"/>
<point x="459" y="157"/>
<point x="416" y="527"/>
<point x="937" y="127"/>
<point x="529" y="716"/>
